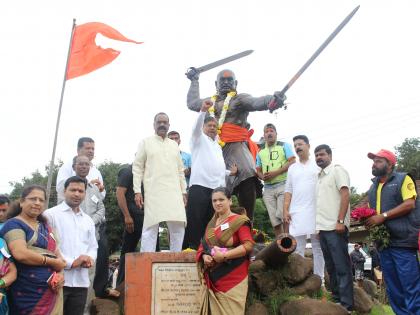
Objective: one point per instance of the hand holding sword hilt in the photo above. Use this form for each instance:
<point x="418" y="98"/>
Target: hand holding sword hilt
<point x="277" y="102"/>
<point x="193" y="74"/>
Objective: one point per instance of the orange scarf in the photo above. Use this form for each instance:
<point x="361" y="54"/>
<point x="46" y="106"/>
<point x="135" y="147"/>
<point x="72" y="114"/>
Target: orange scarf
<point x="235" y="133"/>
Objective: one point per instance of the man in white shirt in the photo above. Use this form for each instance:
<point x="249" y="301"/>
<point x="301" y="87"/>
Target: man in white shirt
<point x="93" y="206"/>
<point x="208" y="172"/>
<point x="85" y="146"/>
<point x="158" y="165"/>
<point x="333" y="223"/>
<point x="76" y="232"/>
<point x="299" y="209"/>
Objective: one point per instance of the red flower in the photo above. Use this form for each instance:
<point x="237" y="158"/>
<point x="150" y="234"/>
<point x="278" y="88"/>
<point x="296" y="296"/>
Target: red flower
<point x="362" y="213"/>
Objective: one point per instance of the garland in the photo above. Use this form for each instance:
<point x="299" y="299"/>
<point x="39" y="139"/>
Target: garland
<point x="222" y="118"/>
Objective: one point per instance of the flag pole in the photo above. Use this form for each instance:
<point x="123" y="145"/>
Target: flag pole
<point x="57" y="125"/>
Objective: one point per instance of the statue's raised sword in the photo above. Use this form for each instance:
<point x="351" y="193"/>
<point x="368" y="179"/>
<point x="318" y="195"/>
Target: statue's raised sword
<point x="280" y="96"/>
<point x="192" y="72"/>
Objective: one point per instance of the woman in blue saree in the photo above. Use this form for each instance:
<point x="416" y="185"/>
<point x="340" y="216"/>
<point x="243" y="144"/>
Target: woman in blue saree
<point x="33" y="246"/>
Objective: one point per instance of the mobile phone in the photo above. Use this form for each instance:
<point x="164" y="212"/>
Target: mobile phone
<point x="54" y="279"/>
<point x="50" y="278"/>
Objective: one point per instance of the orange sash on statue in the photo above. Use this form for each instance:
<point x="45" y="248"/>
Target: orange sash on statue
<point x="235" y="133"/>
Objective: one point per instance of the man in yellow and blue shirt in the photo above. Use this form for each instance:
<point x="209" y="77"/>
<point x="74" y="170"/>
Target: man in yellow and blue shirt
<point x="393" y="195"/>
<point x="273" y="161"/>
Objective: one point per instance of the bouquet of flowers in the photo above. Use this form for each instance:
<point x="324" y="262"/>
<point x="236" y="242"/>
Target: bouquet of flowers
<point x="378" y="234"/>
<point x="361" y="214"/>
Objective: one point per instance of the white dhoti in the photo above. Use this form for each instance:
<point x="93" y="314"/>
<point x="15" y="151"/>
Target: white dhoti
<point x="158" y="165"/>
<point x="318" y="257"/>
<point x="176" y="236"/>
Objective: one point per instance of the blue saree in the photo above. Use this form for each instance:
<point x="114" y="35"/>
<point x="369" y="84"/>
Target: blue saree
<point x="30" y="293"/>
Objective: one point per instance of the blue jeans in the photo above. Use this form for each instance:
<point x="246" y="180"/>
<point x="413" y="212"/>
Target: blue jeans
<point x="337" y="260"/>
<point x="400" y="267"/>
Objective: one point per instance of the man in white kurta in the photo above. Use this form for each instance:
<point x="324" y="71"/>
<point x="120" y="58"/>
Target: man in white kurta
<point x="300" y="202"/>
<point x="158" y="165"/>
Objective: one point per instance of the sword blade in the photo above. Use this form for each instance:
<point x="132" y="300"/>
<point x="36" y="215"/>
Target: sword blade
<point x="319" y="50"/>
<point x="224" y="60"/>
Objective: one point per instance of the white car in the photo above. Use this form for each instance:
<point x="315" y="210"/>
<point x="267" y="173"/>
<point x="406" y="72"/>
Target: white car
<point x="368" y="259"/>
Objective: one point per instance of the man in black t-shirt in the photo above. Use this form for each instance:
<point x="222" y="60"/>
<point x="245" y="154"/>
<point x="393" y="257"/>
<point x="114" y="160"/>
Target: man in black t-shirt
<point x="133" y="217"/>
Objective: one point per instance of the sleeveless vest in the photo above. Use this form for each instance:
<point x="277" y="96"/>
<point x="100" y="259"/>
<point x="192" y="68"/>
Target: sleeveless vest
<point x="403" y="230"/>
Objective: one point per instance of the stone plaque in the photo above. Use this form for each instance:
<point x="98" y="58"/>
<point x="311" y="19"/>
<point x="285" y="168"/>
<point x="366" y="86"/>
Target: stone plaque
<point x="175" y="289"/>
<point x="161" y="283"/>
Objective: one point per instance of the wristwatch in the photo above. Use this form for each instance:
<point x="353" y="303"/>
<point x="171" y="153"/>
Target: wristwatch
<point x="340" y="221"/>
<point x="385" y="215"/>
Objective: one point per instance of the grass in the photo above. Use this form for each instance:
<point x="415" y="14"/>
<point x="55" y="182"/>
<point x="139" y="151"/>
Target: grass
<point x="318" y="295"/>
<point x="283" y="295"/>
<point x="378" y="310"/>
<point x="280" y="297"/>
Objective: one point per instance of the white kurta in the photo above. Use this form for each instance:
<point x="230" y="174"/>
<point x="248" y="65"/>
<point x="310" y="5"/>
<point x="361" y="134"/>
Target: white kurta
<point x="159" y="166"/>
<point x="301" y="183"/>
<point x="208" y="166"/>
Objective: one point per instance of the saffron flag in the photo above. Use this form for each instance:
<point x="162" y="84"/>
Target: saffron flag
<point x="85" y="55"/>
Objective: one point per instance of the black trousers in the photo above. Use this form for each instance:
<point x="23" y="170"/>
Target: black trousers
<point x="199" y="213"/>
<point x="129" y="243"/>
<point x="246" y="192"/>
<point x="74" y="299"/>
<point x="100" y="282"/>
<point x="337" y="260"/>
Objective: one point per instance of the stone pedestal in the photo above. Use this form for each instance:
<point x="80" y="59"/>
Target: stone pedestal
<point x="161" y="283"/>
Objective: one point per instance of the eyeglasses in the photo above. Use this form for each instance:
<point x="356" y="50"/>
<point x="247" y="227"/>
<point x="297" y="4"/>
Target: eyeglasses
<point x="35" y="199"/>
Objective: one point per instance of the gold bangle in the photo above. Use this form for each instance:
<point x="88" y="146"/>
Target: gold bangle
<point x="44" y="262"/>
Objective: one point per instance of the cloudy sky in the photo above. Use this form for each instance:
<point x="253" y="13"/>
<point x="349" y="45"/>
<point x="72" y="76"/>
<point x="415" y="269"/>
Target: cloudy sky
<point x="360" y="95"/>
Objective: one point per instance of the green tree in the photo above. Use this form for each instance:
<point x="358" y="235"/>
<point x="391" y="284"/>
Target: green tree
<point x="355" y="198"/>
<point x="114" y="222"/>
<point x="261" y="218"/>
<point x="37" y="178"/>
<point x="408" y="156"/>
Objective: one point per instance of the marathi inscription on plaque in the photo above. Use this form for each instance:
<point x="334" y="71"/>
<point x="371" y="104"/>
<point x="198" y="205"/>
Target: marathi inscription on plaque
<point x="175" y="289"/>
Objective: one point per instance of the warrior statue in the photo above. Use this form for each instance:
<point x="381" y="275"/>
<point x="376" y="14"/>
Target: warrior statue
<point x="231" y="111"/>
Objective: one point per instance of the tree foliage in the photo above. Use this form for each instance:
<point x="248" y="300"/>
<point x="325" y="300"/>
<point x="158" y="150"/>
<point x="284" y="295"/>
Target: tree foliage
<point x="114" y="222"/>
<point x="37" y="178"/>
<point x="408" y="156"/>
<point x="356" y="199"/>
<point x="261" y="218"/>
